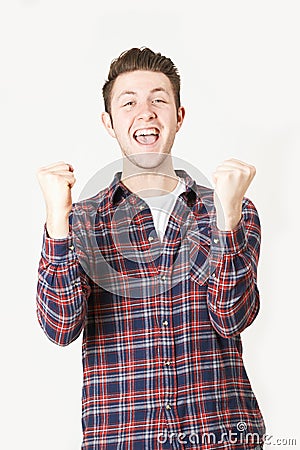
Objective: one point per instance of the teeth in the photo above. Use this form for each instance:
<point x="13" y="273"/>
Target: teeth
<point x="146" y="132"/>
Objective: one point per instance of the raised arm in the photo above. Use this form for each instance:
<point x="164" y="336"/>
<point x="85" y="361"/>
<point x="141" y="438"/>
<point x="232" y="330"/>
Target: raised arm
<point x="63" y="288"/>
<point x="233" y="297"/>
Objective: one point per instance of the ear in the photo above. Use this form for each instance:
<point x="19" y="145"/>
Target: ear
<point x="106" y="120"/>
<point x="180" y="117"/>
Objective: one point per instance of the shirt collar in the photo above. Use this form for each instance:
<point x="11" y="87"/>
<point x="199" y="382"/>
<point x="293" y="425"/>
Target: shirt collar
<point x="117" y="189"/>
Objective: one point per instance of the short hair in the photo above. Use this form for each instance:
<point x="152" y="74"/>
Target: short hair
<point x="141" y="59"/>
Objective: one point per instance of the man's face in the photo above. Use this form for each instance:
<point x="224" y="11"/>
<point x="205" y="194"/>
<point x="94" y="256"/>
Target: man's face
<point x="144" y="116"/>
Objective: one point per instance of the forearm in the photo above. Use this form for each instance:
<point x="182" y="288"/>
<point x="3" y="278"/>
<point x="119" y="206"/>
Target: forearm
<point x="62" y="291"/>
<point x="233" y="299"/>
<point x="57" y="224"/>
<point x="233" y="296"/>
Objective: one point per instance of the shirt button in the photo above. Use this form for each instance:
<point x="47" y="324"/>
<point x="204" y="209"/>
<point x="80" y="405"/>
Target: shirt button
<point x="165" y="323"/>
<point x="71" y="247"/>
<point x="132" y="200"/>
<point x="150" y="238"/>
<point x="168" y="406"/>
<point x="141" y="206"/>
<point x="216" y="240"/>
<point x="167" y="363"/>
<point x="163" y="277"/>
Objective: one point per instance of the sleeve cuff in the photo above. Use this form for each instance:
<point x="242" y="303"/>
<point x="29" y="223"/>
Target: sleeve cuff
<point x="57" y="250"/>
<point x="228" y="242"/>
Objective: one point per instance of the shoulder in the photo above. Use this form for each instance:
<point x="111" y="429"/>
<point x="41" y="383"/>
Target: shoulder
<point x="90" y="204"/>
<point x="86" y="212"/>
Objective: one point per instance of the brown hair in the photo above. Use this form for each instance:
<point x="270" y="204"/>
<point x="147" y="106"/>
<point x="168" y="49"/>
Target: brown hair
<point x="141" y="59"/>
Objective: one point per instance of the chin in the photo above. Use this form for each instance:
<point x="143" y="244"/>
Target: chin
<point x="147" y="160"/>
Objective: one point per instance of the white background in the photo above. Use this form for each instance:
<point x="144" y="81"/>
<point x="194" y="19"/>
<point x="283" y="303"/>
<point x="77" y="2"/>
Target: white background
<point x="239" y="63"/>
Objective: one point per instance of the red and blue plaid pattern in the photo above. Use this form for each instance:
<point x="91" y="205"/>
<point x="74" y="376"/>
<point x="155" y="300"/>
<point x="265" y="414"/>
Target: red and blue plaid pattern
<point x="161" y="321"/>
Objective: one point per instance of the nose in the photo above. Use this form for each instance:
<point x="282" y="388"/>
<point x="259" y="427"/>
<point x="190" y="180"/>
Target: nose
<point x="146" y="113"/>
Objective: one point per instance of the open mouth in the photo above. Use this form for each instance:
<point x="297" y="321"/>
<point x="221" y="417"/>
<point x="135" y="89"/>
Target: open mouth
<point x="146" y="136"/>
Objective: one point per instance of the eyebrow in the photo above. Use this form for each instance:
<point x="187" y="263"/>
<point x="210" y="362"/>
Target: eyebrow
<point x="158" y="89"/>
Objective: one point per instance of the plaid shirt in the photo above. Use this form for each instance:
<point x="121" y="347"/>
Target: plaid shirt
<point x="161" y="321"/>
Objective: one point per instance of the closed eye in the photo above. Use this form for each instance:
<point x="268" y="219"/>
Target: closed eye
<point x="128" y="103"/>
<point x="157" y="100"/>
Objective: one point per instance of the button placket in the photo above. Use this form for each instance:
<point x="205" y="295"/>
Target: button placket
<point x="213" y="275"/>
<point x="148" y="235"/>
<point x="168" y="367"/>
<point x="167" y="344"/>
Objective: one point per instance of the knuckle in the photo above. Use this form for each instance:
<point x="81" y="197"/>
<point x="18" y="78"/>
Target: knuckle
<point x="40" y="170"/>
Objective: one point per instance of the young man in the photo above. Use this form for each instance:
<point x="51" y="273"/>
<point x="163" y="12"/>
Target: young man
<point x="160" y="274"/>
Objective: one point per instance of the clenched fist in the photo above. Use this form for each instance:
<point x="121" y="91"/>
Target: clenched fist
<point x="56" y="181"/>
<point x="232" y="179"/>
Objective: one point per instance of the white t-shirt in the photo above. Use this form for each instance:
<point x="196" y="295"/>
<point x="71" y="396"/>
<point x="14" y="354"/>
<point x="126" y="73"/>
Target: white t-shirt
<point x="161" y="207"/>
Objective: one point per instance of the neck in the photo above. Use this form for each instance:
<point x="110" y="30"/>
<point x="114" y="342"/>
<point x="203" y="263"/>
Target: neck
<point x="152" y="181"/>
